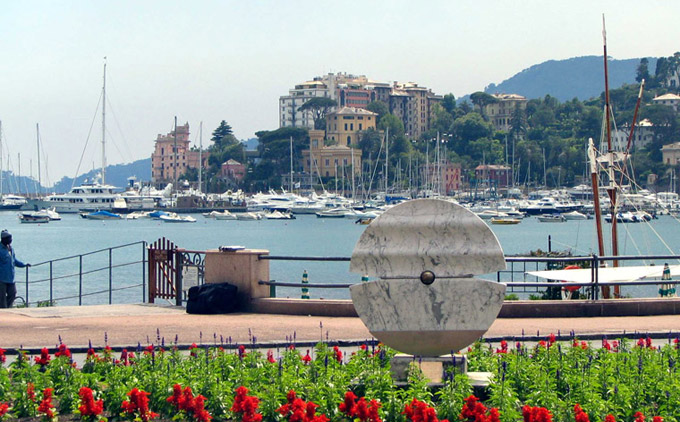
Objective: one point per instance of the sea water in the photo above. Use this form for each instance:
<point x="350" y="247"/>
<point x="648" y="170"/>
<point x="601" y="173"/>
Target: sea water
<point x="305" y="236"/>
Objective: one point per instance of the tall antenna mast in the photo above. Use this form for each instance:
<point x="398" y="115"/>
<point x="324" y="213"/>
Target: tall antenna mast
<point x="103" y="127"/>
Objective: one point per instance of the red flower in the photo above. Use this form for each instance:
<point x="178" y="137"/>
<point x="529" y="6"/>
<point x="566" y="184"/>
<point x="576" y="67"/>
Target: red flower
<point x="246" y="405"/>
<point x="579" y="414"/>
<point x="338" y="353"/>
<point x="609" y="418"/>
<point x="270" y="357"/>
<point x="46" y="407"/>
<point x="137" y="405"/>
<point x="89" y="407"/>
<point x="192" y="348"/>
<point x="30" y="391"/>
<point x="551" y="339"/>
<point x="44" y="357"/>
<point x="4" y="408"/>
<point x="297" y="410"/>
<point x="639" y="417"/>
<point x="2" y="355"/>
<point x="657" y="419"/>
<point x="241" y="351"/>
<point x="184" y="400"/>
<point x="536" y="414"/>
<point x="347" y="407"/>
<point x="504" y="347"/>
<point x="63" y="351"/>
<point x="306" y="358"/>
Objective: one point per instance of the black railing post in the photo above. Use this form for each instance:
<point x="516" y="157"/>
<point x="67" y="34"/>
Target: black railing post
<point x="144" y="271"/>
<point x="595" y="278"/>
<point x="178" y="278"/>
<point x="110" y="276"/>
<point x="27" y="286"/>
<point x="80" y="280"/>
<point x="51" y="289"/>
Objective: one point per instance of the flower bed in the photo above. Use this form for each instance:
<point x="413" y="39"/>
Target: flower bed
<point x="550" y="381"/>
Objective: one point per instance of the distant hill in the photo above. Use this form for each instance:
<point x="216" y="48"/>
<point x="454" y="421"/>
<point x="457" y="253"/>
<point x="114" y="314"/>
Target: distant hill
<point x="116" y="175"/>
<point x="579" y="77"/>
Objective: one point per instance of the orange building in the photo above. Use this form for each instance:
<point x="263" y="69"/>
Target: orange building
<point x="172" y="156"/>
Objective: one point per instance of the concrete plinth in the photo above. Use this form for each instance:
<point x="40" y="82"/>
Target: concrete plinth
<point x="242" y="268"/>
<point x="433" y="368"/>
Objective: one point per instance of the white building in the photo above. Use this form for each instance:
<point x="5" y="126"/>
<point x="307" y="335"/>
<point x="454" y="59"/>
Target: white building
<point x="643" y="135"/>
<point x="670" y="100"/>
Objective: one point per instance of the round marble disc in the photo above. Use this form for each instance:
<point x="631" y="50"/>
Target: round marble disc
<point x="427" y="235"/>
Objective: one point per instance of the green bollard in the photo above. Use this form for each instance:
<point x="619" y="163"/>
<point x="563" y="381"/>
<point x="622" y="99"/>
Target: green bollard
<point x="305" y="289"/>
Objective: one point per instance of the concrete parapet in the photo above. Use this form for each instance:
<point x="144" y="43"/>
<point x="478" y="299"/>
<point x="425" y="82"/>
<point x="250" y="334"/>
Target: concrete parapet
<point x="510" y="309"/>
<point x="242" y="268"/>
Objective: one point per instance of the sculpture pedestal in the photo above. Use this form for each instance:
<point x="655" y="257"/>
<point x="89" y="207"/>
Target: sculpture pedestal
<point x="433" y="368"/>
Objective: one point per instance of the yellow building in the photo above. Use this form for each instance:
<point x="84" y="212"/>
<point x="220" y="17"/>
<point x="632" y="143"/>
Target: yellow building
<point x="343" y="126"/>
<point x="500" y="112"/>
<point x="330" y="161"/>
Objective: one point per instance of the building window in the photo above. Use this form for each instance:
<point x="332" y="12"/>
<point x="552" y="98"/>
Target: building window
<point x="349" y="140"/>
<point x="345" y="126"/>
<point x="360" y="127"/>
<point x="327" y="163"/>
<point x="351" y="126"/>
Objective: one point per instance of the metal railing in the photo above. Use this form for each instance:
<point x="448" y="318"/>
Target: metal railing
<point x="515" y="275"/>
<point x="95" y="273"/>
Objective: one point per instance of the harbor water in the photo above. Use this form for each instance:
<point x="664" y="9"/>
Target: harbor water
<point x="305" y="236"/>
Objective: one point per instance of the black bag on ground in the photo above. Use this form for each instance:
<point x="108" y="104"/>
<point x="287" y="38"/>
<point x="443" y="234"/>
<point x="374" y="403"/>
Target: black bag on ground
<point x="219" y="298"/>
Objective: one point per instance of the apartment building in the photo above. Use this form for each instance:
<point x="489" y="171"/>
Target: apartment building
<point x="172" y="156"/>
<point x="670" y="100"/>
<point x="413" y="104"/>
<point x="642" y="136"/>
<point x="500" y="112"/>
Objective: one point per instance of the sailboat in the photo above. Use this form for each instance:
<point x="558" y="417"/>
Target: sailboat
<point x="612" y="164"/>
<point x="92" y="195"/>
<point x="8" y="202"/>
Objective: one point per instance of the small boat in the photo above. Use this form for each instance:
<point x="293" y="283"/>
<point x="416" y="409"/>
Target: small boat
<point x="339" y="212"/>
<point x="136" y="215"/>
<point x="101" y="215"/>
<point x="158" y="214"/>
<point x="490" y="214"/>
<point x="551" y="218"/>
<point x="224" y="215"/>
<point x="248" y="216"/>
<point x="574" y="215"/>
<point x="34" y="217"/>
<point x="364" y="220"/>
<point x="505" y="220"/>
<point x="278" y="215"/>
<point x="52" y="214"/>
<point x="176" y="218"/>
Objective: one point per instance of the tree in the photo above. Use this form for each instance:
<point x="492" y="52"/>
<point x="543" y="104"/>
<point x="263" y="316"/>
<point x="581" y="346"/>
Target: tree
<point x="392" y="122"/>
<point x="449" y="103"/>
<point x="643" y="71"/>
<point x="319" y="107"/>
<point x="481" y="100"/>
<point x="223" y="135"/>
<point x="378" y="107"/>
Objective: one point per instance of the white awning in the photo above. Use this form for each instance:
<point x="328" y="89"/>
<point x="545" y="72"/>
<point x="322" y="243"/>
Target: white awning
<point x="608" y="274"/>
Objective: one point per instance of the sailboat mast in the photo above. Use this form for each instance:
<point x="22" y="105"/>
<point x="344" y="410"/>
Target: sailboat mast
<point x="596" y="195"/>
<point x="37" y="138"/>
<point x="387" y="155"/>
<point x="200" y="157"/>
<point x="611" y="189"/>
<point x="290" y="187"/>
<point x="103" y="128"/>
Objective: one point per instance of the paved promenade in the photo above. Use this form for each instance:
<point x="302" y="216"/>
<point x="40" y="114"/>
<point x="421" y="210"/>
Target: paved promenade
<point x="127" y="325"/>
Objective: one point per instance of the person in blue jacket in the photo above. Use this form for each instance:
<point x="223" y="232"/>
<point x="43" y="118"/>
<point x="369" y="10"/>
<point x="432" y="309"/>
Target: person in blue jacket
<point x="8" y="290"/>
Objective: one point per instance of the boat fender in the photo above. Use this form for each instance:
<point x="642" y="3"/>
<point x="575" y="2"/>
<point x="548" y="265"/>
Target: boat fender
<point x="571" y="288"/>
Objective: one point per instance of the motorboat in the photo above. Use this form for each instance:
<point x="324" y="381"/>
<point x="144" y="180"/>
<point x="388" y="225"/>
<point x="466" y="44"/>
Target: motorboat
<point x="491" y="214"/>
<point x="11" y="202"/>
<point x="505" y="220"/>
<point x="223" y="215"/>
<point x="101" y="215"/>
<point x="136" y="215"/>
<point x="156" y="215"/>
<point x="176" y="218"/>
<point x="574" y="215"/>
<point x="338" y="212"/>
<point x="33" y="217"/>
<point x="246" y="216"/>
<point x="278" y="215"/>
<point x="551" y="218"/>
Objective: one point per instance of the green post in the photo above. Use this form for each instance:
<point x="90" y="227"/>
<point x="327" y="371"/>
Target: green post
<point x="272" y="289"/>
<point x="305" y="289"/>
<point x="364" y="278"/>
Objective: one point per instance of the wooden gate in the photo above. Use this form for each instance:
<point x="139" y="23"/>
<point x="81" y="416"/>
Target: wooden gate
<point x="165" y="276"/>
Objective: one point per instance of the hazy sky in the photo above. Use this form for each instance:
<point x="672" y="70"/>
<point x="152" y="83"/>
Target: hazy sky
<point x="214" y="60"/>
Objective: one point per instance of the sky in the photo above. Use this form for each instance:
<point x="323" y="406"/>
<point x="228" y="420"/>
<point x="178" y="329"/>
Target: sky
<point x="207" y="61"/>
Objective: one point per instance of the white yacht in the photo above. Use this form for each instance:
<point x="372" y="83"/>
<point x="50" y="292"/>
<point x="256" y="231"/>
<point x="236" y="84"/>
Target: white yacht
<point x="86" y="197"/>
